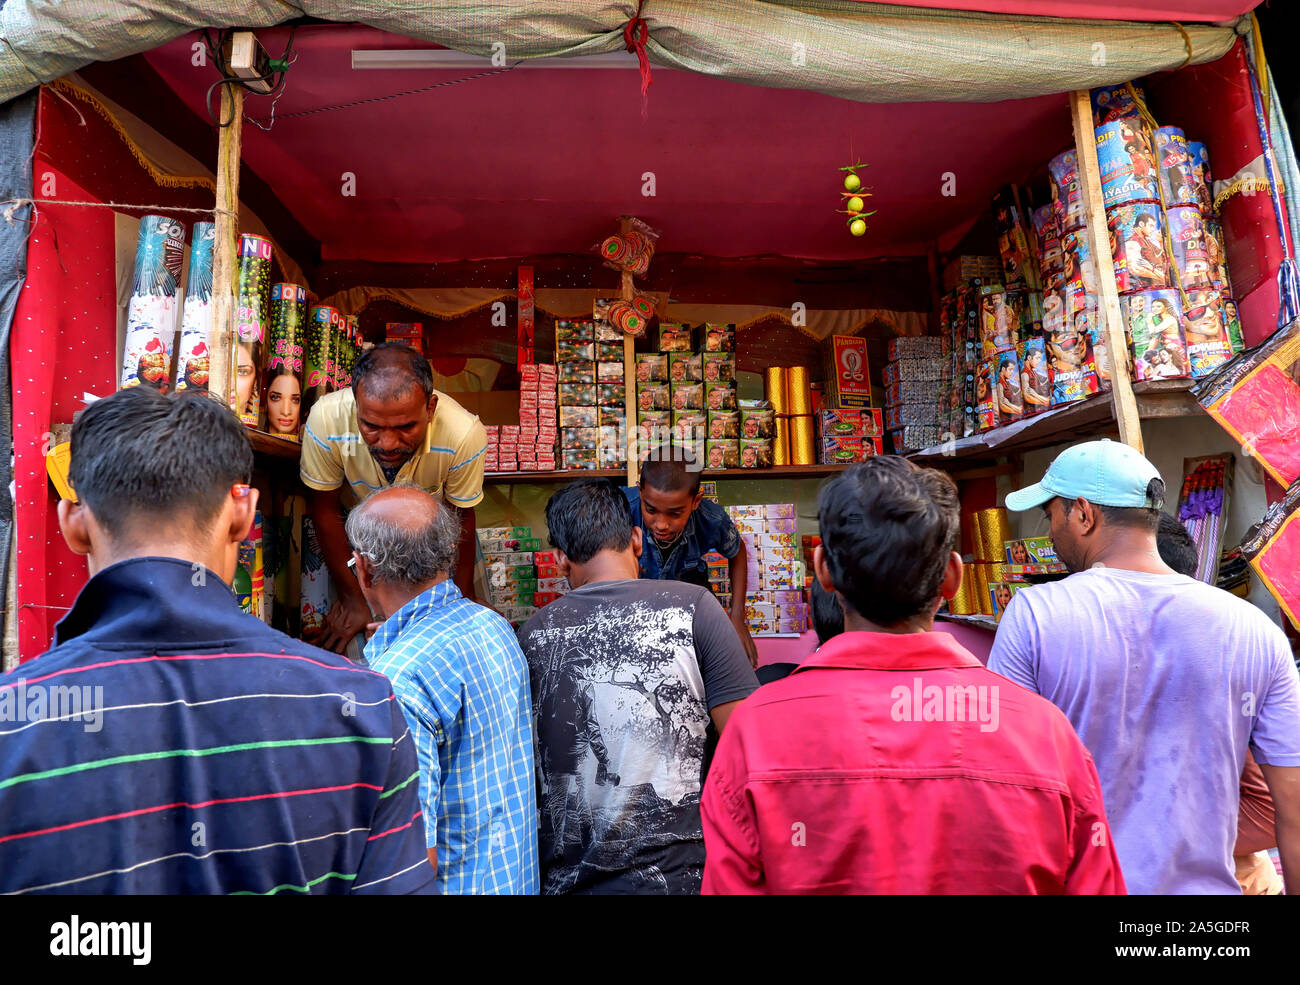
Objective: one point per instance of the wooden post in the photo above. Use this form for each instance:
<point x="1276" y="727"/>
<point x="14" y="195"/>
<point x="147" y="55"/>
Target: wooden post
<point x="1112" y="323"/>
<point x="627" y="291"/>
<point x="225" y="259"/>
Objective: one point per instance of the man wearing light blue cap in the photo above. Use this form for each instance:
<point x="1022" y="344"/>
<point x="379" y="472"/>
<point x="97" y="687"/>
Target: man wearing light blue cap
<point x="1167" y="680"/>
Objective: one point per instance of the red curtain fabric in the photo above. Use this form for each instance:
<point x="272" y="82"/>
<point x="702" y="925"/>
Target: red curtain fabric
<point x="65" y="332"/>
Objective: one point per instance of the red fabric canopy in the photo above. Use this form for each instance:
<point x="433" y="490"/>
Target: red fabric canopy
<point x="542" y="161"/>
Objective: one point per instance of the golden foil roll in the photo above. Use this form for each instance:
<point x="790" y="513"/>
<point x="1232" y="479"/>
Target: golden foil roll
<point x="799" y="400"/>
<point x="976" y="536"/>
<point x="961" y="603"/>
<point x="781" y="446"/>
<point x="983" y="601"/>
<point x="777" y="389"/>
<point x="803" y="444"/>
<point x="995" y="531"/>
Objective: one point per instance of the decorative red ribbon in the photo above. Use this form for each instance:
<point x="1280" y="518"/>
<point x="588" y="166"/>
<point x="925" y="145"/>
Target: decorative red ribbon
<point x="635" y="33"/>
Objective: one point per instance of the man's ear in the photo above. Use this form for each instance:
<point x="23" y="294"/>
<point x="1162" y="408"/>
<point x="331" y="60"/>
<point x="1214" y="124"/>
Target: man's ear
<point x="242" y="512"/>
<point x="952" y="575"/>
<point x="638" y="544"/>
<point x="1088" y="515"/>
<point x="699" y="496"/>
<point x="822" y="570"/>
<point x="433" y="403"/>
<point x="365" y="571"/>
<point x="73" y="525"/>
<point x="562" y="562"/>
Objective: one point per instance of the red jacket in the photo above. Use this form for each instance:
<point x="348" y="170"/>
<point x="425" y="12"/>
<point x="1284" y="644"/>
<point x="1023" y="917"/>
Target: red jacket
<point x="899" y="764"/>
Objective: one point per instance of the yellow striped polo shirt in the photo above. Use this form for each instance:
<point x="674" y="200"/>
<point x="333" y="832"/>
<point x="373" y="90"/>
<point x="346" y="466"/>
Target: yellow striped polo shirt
<point x="449" y="465"/>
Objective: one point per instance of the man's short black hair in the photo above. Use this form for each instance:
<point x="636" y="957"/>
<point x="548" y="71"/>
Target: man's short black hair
<point x="1176" y="547"/>
<point x="888" y="528"/>
<point x="390" y="370"/>
<point x="668" y="469"/>
<point x="587" y="517"/>
<point x="1138" y="517"/>
<point x="140" y="455"/>
<point x="827" y="616"/>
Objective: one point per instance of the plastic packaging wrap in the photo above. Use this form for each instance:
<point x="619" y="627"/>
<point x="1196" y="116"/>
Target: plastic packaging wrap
<point x="1256" y="398"/>
<point x="1273" y="549"/>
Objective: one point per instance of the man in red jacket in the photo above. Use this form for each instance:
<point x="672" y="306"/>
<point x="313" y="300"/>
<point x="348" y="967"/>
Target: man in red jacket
<point x="891" y="761"/>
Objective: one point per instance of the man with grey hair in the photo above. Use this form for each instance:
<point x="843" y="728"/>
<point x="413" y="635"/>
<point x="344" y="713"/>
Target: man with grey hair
<point x="462" y="682"/>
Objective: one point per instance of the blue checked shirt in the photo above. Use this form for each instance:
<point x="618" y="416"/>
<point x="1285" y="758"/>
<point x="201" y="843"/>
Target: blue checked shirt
<point x="462" y="681"/>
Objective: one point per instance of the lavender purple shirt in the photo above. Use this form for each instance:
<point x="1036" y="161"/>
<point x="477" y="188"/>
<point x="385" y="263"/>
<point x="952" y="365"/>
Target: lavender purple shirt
<point x="1167" y="680"/>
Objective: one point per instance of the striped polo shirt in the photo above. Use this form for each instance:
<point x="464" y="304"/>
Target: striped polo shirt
<point x="170" y="743"/>
<point x="449" y="464"/>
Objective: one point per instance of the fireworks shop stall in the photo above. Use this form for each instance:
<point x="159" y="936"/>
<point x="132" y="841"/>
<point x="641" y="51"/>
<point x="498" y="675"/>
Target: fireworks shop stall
<point x="780" y="238"/>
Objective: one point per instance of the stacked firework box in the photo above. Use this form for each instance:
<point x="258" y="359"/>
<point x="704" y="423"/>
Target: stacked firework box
<point x="538" y="417"/>
<point x="961" y="270"/>
<point x="1072" y="332"/>
<point x="775" y="603"/>
<point x="851" y="435"/>
<point x="722" y="408"/>
<point x="1168" y="252"/>
<point x="959" y="328"/>
<point x="611" y="391"/>
<point x="719" y="572"/>
<point x="405" y="333"/>
<point x="511" y="571"/>
<point x="913" y="379"/>
<point x="579" y="414"/>
<point x="575" y="357"/>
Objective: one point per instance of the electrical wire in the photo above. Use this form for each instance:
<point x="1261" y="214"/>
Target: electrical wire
<point x="279" y="73"/>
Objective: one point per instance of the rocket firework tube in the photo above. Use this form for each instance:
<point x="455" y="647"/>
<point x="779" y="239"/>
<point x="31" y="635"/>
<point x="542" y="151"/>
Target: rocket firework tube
<point x="317" y="348"/>
<point x="196" y="317"/>
<point x="252" y="322"/>
<point x="152" y="309"/>
<point x="282" y="382"/>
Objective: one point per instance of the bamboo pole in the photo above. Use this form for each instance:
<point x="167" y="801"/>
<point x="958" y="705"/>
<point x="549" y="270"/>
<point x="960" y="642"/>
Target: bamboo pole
<point x="225" y="262"/>
<point x="1121" y="385"/>
<point x="627" y="291"/>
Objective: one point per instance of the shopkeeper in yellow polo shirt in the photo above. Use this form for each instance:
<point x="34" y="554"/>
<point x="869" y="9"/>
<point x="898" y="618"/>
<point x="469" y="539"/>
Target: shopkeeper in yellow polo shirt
<point x="391" y="426"/>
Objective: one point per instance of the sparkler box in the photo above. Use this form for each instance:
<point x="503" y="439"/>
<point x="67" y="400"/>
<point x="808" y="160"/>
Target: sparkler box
<point x="848" y="381"/>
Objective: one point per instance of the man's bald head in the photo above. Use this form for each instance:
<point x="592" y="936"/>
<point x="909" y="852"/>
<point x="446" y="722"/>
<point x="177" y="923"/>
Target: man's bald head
<point x="391" y="371"/>
<point x="408" y="537"/>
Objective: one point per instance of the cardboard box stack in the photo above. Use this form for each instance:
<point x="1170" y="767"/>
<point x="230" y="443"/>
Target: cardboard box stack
<point x="508" y="563"/>
<point x="528" y="446"/>
<point x="913" y="380"/>
<point x="551" y="583"/>
<point x="775" y="603"/>
<point x="405" y="333"/>
<point x="579" y="409"/>
<point x="851" y="435"/>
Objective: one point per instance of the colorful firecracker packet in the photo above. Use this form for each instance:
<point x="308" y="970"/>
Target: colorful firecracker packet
<point x="193" y="357"/>
<point x="1153" y="321"/>
<point x="1137" y="243"/>
<point x="1256" y="398"/>
<point x="1067" y="195"/>
<point x="1115" y="102"/>
<point x="154" y="304"/>
<point x="1127" y="162"/>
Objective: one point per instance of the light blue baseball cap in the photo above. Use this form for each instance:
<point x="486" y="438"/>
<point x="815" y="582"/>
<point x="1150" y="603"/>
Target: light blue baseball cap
<point x="1108" y="473"/>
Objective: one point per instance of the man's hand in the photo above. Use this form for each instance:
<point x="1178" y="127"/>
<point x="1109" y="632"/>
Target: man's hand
<point x="747" y="641"/>
<point x="348" y="616"/>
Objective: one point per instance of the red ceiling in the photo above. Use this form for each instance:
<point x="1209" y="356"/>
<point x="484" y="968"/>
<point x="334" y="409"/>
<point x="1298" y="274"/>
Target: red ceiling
<point x="541" y="161"/>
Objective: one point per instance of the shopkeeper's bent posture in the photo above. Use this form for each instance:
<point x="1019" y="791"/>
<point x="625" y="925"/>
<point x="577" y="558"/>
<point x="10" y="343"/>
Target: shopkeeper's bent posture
<point x="391" y="426"/>
<point x="679" y="526"/>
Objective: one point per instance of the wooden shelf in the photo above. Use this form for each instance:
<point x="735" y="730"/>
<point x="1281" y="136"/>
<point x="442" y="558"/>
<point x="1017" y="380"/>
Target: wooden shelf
<point x="776" y="472"/>
<point x="977" y="619"/>
<point x="1085" y="419"/>
<point x="572" y="475"/>
<point x="270" y="444"/>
